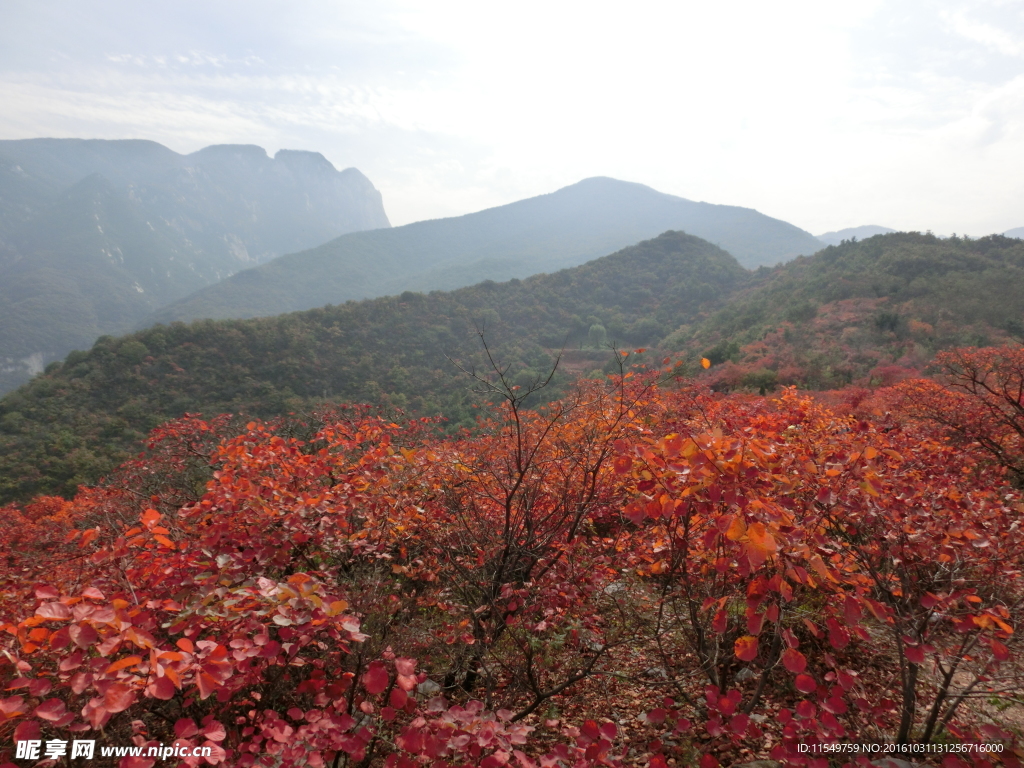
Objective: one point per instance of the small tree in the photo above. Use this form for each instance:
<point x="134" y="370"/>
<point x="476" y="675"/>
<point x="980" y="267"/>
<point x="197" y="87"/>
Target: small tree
<point x="982" y="402"/>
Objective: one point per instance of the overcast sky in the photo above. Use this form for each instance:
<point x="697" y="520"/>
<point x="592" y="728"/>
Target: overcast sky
<point x="908" y="114"/>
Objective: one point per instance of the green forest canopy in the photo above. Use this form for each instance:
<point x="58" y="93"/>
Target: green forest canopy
<point x="826" y="320"/>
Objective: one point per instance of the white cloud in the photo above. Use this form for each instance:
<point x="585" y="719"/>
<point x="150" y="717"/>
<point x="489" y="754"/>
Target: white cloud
<point x="824" y="114"/>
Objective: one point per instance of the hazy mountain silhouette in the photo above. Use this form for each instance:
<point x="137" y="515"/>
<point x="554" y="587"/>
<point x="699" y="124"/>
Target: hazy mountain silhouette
<point x="861" y="233"/>
<point x="95" y="235"/>
<point x="537" y="235"/>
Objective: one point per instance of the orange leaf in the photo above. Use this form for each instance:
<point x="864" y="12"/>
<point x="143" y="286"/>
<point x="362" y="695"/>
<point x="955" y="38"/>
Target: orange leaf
<point x="173" y="676"/>
<point x="760" y="538"/>
<point x="128" y="661"/>
<point x="705" y="362"/>
<point x="185" y="644"/>
<point x="206" y="684"/>
<point x="745" y="648"/>
<point x="737" y="528"/>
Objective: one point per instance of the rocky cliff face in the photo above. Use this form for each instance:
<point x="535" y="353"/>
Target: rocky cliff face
<point x="96" y="235"/>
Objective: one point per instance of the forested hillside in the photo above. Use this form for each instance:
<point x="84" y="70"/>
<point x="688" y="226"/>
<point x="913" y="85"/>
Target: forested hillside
<point x="78" y="420"/>
<point x="867" y="312"/>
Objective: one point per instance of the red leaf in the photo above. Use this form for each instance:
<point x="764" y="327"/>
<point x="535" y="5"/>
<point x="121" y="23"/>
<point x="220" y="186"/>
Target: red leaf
<point x="805" y="684"/>
<point x="162" y="688"/>
<point x="754" y="623"/>
<point x="738" y="724"/>
<point x="118" y="698"/>
<point x="835" y="705"/>
<point x="1000" y="651"/>
<point x="217" y="753"/>
<point x="54" y="611"/>
<point x="398" y="698"/>
<point x="83" y="635"/>
<point x="806" y="710"/>
<point x="11" y="705"/>
<point x="27" y="731"/>
<point x="591" y="730"/>
<point x="846" y="680"/>
<point x="709" y="761"/>
<point x="838" y="637"/>
<point x="727" y="704"/>
<point x="794" y="661"/>
<point x="656" y="716"/>
<point x="185" y="728"/>
<point x="720" y="622"/>
<point x="51" y="709"/>
<point x="207" y="684"/>
<point x="214" y="731"/>
<point x="914" y="653"/>
<point x="96" y="713"/>
<point x="375" y="679"/>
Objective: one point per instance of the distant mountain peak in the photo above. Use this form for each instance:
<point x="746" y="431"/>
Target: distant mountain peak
<point x="542" y="234"/>
<point x="302" y="158"/>
<point x="95" y="235"/>
<point x="862" y="232"/>
<point x="234" y="151"/>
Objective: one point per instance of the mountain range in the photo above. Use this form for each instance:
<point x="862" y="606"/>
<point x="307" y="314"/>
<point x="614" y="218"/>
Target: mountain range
<point x="538" y="235"/>
<point x="96" y="235"/>
<point x="862" y="313"/>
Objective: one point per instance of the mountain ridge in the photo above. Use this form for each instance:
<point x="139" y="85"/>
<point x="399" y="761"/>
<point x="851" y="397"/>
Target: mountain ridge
<point x="541" y="234"/>
<point x="172" y="224"/>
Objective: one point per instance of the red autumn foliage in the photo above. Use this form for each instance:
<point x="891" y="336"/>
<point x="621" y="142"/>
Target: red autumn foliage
<point x="376" y="595"/>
